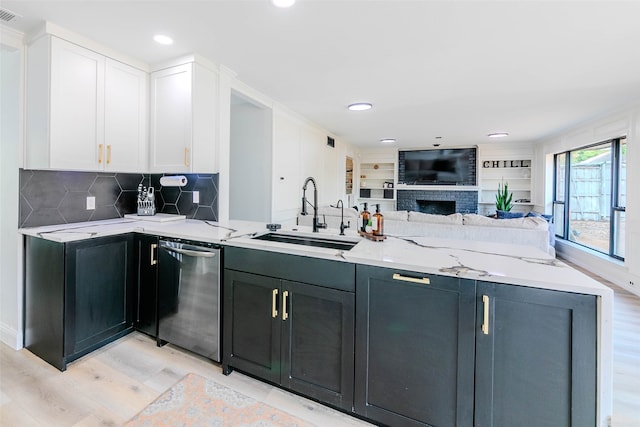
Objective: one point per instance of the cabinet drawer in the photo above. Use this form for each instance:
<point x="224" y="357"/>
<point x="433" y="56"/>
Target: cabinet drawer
<point x="399" y="277"/>
<point x="315" y="271"/>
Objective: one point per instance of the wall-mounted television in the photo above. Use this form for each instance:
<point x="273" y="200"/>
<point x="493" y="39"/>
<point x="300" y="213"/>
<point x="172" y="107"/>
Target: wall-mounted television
<point x="447" y="166"/>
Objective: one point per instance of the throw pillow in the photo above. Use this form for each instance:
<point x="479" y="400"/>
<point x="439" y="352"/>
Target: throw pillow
<point x="507" y="215"/>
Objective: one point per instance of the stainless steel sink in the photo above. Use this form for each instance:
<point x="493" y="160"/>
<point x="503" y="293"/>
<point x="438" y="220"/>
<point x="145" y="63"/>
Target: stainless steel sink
<point x="298" y="239"/>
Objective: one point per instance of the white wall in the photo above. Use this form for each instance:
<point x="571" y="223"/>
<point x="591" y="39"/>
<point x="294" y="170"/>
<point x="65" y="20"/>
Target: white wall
<point x="301" y="151"/>
<point x="11" y="68"/>
<point x="298" y="150"/>
<point x="623" y="123"/>
<point x="250" y="161"/>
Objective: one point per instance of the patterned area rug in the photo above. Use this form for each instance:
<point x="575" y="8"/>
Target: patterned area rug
<point x="196" y="401"/>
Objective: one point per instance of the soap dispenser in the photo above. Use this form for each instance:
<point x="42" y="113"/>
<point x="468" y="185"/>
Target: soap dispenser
<point x="377" y="222"/>
<point x="364" y="218"/>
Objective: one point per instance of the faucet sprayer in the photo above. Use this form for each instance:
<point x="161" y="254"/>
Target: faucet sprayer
<point x="316" y="223"/>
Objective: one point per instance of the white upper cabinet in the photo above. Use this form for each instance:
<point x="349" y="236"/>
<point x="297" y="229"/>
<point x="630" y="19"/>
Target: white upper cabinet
<point x="125" y="118"/>
<point x="77" y="106"/>
<point x="183" y="119"/>
<point x="84" y="111"/>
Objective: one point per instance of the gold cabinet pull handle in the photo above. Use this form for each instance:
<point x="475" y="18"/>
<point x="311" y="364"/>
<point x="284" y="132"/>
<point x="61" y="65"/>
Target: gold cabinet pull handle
<point x="274" y="309"/>
<point x="153" y="261"/>
<point x="422" y="280"/>
<point x="485" y="321"/>
<point x="100" y="153"/>
<point x="108" y="153"/>
<point x="186" y="156"/>
<point x="285" y="315"/>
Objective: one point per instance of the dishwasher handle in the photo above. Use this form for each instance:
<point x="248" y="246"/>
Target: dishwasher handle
<point x="190" y="250"/>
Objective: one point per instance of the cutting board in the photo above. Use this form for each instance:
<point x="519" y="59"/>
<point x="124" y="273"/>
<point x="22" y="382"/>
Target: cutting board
<point x="161" y="217"/>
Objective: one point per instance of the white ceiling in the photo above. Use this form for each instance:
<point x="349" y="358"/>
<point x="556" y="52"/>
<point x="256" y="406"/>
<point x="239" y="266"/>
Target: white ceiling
<point x="454" y="69"/>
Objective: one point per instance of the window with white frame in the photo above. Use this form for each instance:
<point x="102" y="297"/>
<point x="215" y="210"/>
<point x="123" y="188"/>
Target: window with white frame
<point x="590" y="188"/>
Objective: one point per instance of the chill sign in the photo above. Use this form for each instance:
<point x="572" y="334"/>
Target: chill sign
<point x="506" y="164"/>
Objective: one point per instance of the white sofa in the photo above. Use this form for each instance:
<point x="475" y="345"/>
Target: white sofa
<point x="532" y="231"/>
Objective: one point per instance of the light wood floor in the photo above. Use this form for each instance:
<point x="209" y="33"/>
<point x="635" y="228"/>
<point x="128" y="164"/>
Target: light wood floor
<point x="112" y="384"/>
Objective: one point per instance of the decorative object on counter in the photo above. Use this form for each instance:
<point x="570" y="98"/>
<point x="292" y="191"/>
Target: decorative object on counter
<point x="195" y="400"/>
<point x="503" y="197"/>
<point x="146" y="201"/>
<point x="371" y="236"/>
<point x="173" y="181"/>
<point x="274" y="227"/>
<point x="364" y="217"/>
<point x="377" y="222"/>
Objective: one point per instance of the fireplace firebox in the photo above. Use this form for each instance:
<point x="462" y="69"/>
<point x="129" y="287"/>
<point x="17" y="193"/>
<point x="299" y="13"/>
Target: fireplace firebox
<point x="440" y="207"/>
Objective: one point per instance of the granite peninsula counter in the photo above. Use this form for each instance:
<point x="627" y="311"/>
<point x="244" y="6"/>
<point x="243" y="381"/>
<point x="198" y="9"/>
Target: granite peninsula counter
<point x="498" y="263"/>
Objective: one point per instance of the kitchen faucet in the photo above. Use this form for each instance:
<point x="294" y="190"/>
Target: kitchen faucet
<point x="316" y="223"/>
<point x="342" y="226"/>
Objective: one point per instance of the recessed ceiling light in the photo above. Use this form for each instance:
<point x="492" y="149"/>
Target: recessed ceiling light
<point x="388" y="140"/>
<point x="360" y="106"/>
<point x="498" y="135"/>
<point x="283" y="3"/>
<point x="162" y="39"/>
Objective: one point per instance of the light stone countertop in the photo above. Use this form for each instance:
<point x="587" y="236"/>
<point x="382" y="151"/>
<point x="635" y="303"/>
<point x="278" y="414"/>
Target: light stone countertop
<point x="496" y="262"/>
<point x="502" y="263"/>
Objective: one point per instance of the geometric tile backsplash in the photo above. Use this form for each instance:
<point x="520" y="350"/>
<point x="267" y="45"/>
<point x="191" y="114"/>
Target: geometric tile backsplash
<point x="59" y="197"/>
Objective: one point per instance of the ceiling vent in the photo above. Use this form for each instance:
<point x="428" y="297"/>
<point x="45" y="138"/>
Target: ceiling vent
<point x="8" y="16"/>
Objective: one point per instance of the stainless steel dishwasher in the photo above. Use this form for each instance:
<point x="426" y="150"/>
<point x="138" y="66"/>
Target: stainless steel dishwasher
<point x="189" y="296"/>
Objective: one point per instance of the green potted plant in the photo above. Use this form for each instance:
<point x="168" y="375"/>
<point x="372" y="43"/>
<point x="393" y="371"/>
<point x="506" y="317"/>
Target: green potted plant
<point x="503" y="198"/>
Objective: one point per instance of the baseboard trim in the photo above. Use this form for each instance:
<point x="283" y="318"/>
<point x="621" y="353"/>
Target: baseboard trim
<point x="11" y="337"/>
<point x="599" y="264"/>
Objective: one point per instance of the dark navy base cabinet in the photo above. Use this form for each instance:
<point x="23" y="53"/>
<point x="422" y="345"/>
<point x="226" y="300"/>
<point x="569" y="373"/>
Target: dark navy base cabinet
<point x="414" y="348"/>
<point x="294" y="334"/>
<point x="146" y="295"/>
<point x="536" y="358"/>
<point x="78" y="296"/>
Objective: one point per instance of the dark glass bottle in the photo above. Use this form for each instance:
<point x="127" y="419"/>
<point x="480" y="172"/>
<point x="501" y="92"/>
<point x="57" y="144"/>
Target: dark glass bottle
<point x="364" y="218"/>
<point x="377" y="222"/>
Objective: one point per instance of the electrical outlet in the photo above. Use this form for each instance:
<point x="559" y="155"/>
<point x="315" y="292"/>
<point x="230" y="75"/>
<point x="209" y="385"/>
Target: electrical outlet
<point x="91" y="203"/>
<point x="196" y="197"/>
<point x="632" y="283"/>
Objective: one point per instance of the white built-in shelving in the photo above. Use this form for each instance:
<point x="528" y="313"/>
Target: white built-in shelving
<point x="511" y="169"/>
<point x="376" y="182"/>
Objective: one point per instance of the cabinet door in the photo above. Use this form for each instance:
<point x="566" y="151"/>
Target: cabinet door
<point x="77" y="107"/>
<point x="171" y="115"/>
<point x="125" y="148"/>
<point x="317" y="343"/>
<point x="252" y="324"/>
<point x="536" y="358"/>
<point x="98" y="294"/>
<point x="146" y="296"/>
<point x="414" y="348"/>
